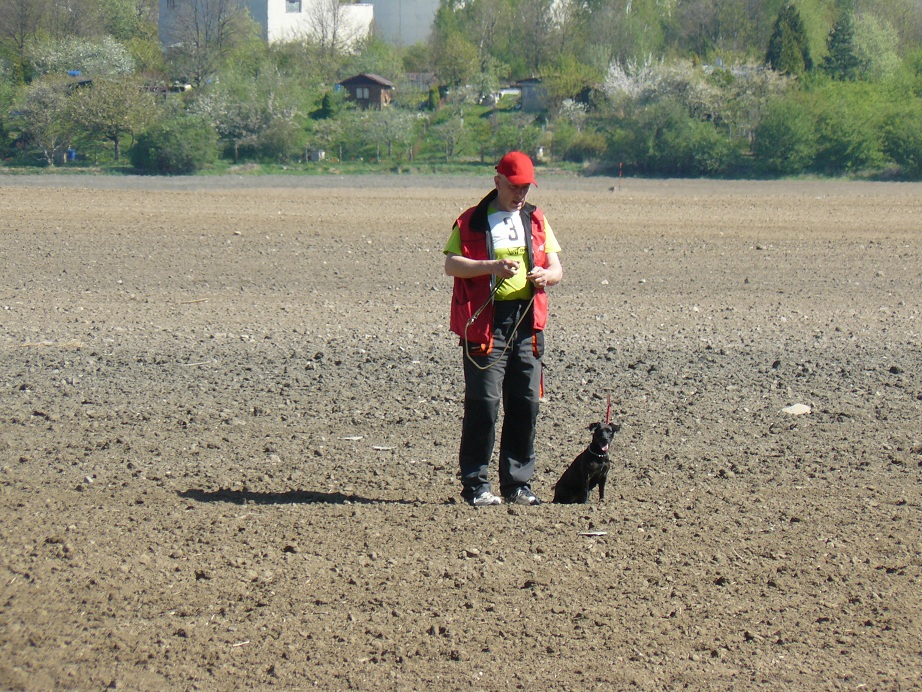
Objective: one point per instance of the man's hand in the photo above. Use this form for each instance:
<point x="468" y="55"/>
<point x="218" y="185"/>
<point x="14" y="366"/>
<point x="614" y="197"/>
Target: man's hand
<point x="505" y="268"/>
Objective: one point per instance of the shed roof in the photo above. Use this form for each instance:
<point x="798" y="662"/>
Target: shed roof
<point x="366" y="77"/>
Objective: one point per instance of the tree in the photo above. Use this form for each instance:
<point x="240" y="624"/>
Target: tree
<point x="375" y="56"/>
<point x="20" y="21"/>
<point x="849" y="127"/>
<point x="105" y="57"/>
<point x="112" y="109"/>
<point x="202" y="33"/>
<point x="876" y="45"/>
<point x="45" y="118"/>
<point x="237" y="120"/>
<point x="254" y="106"/>
<point x="516" y="131"/>
<point x="177" y="145"/>
<point x="625" y="30"/>
<point x="333" y="27"/>
<point x="841" y="61"/>
<point x="450" y="130"/>
<point x="326" y="134"/>
<point x="785" y="140"/>
<point x="456" y="60"/>
<point x="569" y="79"/>
<point x="788" y="49"/>
<point x="533" y="25"/>
<point x="71" y="19"/>
<point x="129" y="19"/>
<point x="391" y="127"/>
<point x="903" y="137"/>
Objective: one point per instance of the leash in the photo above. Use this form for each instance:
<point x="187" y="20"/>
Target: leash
<point x="467" y="351"/>
<point x="608" y="411"/>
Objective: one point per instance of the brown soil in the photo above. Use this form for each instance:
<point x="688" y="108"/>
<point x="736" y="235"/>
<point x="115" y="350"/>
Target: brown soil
<point x="230" y="412"/>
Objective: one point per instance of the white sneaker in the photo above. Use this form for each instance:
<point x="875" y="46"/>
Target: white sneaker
<point x="485" y="499"/>
<point x="523" y="496"/>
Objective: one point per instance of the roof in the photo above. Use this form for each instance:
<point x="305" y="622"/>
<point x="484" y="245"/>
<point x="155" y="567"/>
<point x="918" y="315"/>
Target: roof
<point x="366" y="77"/>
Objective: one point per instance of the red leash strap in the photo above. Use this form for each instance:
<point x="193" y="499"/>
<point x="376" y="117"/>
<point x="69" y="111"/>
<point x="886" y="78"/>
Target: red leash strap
<point x="608" y="411"/>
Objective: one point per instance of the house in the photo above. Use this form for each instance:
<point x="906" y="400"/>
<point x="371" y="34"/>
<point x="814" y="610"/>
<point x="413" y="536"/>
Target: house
<point x="279" y="20"/>
<point x="399" y="22"/>
<point x="534" y="95"/>
<point x="368" y="90"/>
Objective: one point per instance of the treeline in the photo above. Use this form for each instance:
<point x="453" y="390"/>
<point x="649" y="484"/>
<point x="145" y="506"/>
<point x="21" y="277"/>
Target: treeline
<point x="728" y="88"/>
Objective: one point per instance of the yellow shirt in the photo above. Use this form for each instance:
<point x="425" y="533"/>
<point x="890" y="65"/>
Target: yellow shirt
<point x="508" y="243"/>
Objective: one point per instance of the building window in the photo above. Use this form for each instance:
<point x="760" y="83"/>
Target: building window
<point x="361" y="92"/>
<point x="292" y="5"/>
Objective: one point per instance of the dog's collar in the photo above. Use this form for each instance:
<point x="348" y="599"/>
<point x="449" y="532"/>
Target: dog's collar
<point x="598" y="454"/>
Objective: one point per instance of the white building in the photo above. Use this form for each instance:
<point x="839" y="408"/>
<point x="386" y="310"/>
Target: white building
<point x="281" y="20"/>
<point x="404" y="22"/>
<point x="399" y="22"/>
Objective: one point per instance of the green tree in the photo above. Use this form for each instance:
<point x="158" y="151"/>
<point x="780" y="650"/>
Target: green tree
<point x="624" y="31"/>
<point x="327" y="135"/>
<point x="788" y="48"/>
<point x="516" y="131"/>
<point x="392" y="128"/>
<point x="375" y="56"/>
<point x="849" y="127"/>
<point x="449" y="133"/>
<point x="238" y="117"/>
<point x="569" y="79"/>
<point x="903" y="136"/>
<point x="677" y="144"/>
<point x="877" y="48"/>
<point x="74" y="19"/>
<point x="202" y="34"/>
<point x="20" y="25"/>
<point x="112" y="109"/>
<point x="178" y="145"/>
<point x="255" y="108"/>
<point x="531" y="31"/>
<point x="841" y="61"/>
<point x="785" y="139"/>
<point x="332" y="104"/>
<point x="456" y="60"/>
<point x="44" y="115"/>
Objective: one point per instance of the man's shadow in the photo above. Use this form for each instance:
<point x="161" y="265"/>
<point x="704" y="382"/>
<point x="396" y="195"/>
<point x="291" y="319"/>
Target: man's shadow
<point x="291" y="497"/>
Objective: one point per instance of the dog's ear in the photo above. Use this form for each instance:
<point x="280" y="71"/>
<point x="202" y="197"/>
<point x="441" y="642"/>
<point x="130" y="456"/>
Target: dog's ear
<point x="615" y="427"/>
<point x="594" y="426"/>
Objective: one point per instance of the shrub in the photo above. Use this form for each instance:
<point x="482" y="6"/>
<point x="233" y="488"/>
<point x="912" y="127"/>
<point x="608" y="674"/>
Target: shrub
<point x="678" y="144"/>
<point x="903" y="137"/>
<point x="281" y="142"/>
<point x="785" y="140"/>
<point x="849" y="137"/>
<point x="180" y="145"/>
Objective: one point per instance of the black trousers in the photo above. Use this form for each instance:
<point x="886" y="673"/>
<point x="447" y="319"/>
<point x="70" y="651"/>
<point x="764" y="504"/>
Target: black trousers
<point x="509" y="374"/>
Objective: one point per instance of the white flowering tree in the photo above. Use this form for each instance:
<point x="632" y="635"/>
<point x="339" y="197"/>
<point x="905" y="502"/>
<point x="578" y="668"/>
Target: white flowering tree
<point x="43" y="117"/>
<point x="245" y="109"/>
<point x="103" y="58"/>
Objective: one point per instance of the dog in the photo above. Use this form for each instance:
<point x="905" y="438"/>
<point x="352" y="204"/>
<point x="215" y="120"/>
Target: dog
<point x="589" y="469"/>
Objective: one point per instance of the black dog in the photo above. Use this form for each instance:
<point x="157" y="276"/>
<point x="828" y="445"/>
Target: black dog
<point x="589" y="469"/>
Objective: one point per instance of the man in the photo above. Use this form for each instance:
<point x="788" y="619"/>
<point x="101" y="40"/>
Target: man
<point x="502" y="255"/>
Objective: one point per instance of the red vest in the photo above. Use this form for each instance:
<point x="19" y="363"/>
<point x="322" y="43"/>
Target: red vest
<point x="470" y="294"/>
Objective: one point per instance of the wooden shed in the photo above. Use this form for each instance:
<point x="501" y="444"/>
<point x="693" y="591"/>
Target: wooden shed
<point x="369" y="90"/>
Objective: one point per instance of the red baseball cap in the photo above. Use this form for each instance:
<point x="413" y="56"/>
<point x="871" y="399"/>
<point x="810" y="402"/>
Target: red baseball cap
<point x="517" y="168"/>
